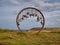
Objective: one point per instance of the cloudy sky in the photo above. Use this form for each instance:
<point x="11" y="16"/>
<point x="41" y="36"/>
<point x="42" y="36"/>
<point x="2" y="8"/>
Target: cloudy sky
<point x="10" y="8"/>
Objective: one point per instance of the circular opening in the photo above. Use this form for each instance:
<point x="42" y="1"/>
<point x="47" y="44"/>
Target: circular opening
<point x="30" y="19"/>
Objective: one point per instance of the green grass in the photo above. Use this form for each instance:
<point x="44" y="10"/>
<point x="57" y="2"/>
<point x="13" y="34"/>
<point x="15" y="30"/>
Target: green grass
<point x="9" y="37"/>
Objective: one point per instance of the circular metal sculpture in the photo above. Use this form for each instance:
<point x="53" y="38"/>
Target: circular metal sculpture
<point x="30" y="12"/>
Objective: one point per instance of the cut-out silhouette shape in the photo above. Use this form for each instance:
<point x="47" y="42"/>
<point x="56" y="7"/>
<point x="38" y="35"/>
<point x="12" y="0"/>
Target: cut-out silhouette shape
<point x="25" y="16"/>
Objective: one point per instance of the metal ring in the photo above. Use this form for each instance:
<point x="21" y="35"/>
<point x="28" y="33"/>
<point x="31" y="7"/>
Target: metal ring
<point x="17" y="22"/>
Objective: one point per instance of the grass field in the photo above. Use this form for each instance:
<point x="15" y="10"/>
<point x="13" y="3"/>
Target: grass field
<point x="45" y="37"/>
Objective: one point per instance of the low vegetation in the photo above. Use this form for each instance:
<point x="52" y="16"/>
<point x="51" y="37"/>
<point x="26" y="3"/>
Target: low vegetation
<point x="45" y="37"/>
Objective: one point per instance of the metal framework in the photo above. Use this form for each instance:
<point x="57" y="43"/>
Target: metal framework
<point x="28" y="12"/>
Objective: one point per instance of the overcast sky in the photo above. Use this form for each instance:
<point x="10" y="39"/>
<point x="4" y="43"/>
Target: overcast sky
<point x="10" y="8"/>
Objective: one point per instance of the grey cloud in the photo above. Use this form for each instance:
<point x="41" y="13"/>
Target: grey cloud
<point x="13" y="2"/>
<point x="53" y="8"/>
<point x="52" y="1"/>
<point x="48" y="6"/>
<point x="24" y="0"/>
